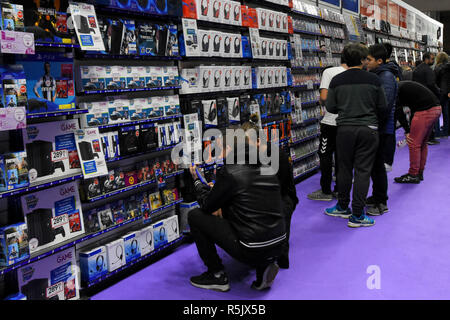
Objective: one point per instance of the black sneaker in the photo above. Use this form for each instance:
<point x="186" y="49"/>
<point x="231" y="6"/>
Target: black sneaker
<point x="433" y="142"/>
<point x="265" y="281"/>
<point x="370" y="202"/>
<point x="212" y="281"/>
<point x="407" y="178"/>
<point x="283" y="262"/>
<point x="421" y="176"/>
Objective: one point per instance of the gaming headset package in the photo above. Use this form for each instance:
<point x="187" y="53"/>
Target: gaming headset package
<point x="51" y="150"/>
<point x="13" y="244"/>
<point x="132" y="247"/>
<point x="227" y="77"/>
<point x="172" y="228"/>
<point x="93" y="264"/>
<point x="203" y="9"/>
<point x="90" y="151"/>
<point x="227" y="14"/>
<point x="244" y="102"/>
<point x="205" y="79"/>
<point x="52" y="278"/>
<point x="52" y="216"/>
<point x="217" y="43"/>
<point x="247" y="77"/>
<point x="234" y="110"/>
<point x="210" y="112"/>
<point x="190" y="80"/>
<point x="51" y="76"/>
<point x="146" y="240"/>
<point x="172" y="48"/>
<point x="205" y="39"/>
<point x="160" y="234"/>
<point x="190" y="36"/>
<point x="222" y="112"/>
<point x="215" y="11"/>
<point x="115" y="254"/>
<point x="129" y="140"/>
<point x="218" y="77"/>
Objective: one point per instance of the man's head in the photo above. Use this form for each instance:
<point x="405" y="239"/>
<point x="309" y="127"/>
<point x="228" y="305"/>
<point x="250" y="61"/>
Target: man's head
<point x="377" y="56"/>
<point x="47" y="67"/>
<point x="355" y="55"/>
<point x="389" y="49"/>
<point x="428" y="58"/>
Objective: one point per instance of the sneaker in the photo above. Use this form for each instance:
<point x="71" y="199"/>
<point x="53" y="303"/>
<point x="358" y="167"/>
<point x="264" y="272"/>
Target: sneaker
<point x="433" y="142"/>
<point x="335" y="194"/>
<point x="212" y="281"/>
<point x="377" y="210"/>
<point x="408" y="178"/>
<point x="320" y="196"/>
<point x="421" y="176"/>
<point x="283" y="262"/>
<point x="388" y="167"/>
<point x="370" y="202"/>
<point x="337" y="211"/>
<point x="267" y="278"/>
<point x="363" y="221"/>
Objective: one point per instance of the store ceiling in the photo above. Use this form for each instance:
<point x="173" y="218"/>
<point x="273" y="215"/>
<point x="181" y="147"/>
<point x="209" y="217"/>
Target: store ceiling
<point x="430" y="5"/>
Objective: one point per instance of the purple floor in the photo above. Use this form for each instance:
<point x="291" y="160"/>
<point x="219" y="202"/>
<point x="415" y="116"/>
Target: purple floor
<point x="410" y="244"/>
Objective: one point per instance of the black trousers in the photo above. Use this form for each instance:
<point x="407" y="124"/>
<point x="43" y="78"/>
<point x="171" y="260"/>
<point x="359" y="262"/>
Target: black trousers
<point x="379" y="175"/>
<point x="288" y="210"/>
<point x="389" y="149"/>
<point x="327" y="148"/>
<point x="209" y="231"/>
<point x="357" y="147"/>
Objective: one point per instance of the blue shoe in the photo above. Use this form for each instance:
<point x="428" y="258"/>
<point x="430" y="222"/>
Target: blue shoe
<point x="337" y="211"/>
<point x="363" y="221"/>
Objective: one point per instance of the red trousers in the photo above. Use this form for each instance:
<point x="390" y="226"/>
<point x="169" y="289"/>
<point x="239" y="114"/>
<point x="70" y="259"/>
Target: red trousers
<point x="421" y="127"/>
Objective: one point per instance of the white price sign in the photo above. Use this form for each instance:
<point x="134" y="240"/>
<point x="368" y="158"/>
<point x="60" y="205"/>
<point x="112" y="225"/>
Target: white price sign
<point x="60" y="221"/>
<point x="60" y="155"/>
<point x="54" y="290"/>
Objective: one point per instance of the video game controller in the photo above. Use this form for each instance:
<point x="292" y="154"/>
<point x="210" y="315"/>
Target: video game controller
<point x="59" y="165"/>
<point x="60" y="231"/>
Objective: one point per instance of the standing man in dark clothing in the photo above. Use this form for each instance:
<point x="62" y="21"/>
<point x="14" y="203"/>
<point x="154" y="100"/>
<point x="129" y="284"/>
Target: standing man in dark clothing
<point x="442" y="71"/>
<point x="359" y="100"/>
<point x="425" y="109"/>
<point x="377" y="203"/>
<point x="242" y="214"/>
<point x="425" y="76"/>
<point x="288" y="191"/>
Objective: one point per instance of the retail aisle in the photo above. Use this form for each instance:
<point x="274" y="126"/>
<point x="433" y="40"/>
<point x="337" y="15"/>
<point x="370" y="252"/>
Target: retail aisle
<point x="410" y="245"/>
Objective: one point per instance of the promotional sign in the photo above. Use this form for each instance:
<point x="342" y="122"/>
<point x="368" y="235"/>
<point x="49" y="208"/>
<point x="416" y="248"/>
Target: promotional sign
<point x="13" y="118"/>
<point x="17" y="42"/>
<point x="382" y="6"/>
<point x="351" y="5"/>
<point x="403" y="16"/>
<point x="333" y="2"/>
<point x="86" y="26"/>
<point x="367" y="8"/>
<point x="393" y="14"/>
<point x="411" y="21"/>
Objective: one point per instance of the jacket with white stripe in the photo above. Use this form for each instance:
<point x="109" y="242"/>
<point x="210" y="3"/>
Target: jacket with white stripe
<point x="251" y="202"/>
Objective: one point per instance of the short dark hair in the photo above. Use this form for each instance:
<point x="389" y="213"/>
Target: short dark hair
<point x="354" y="54"/>
<point x="378" y="51"/>
<point x="427" y="55"/>
<point x="388" y="48"/>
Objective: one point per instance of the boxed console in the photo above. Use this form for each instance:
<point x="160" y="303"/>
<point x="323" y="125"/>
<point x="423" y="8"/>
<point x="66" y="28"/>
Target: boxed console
<point x="132" y="247"/>
<point x="135" y="77"/>
<point x="93" y="264"/>
<point x="118" y="110"/>
<point x="93" y="163"/>
<point x="52" y="278"/>
<point x="13" y="244"/>
<point x="93" y="78"/>
<point x="97" y="114"/>
<point x="53" y="216"/>
<point x="115" y="254"/>
<point x="51" y="150"/>
<point x="115" y="77"/>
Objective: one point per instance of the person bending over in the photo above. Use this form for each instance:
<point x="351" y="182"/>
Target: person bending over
<point x="377" y="203"/>
<point x="285" y="176"/>
<point x="327" y="147"/>
<point x="425" y="109"/>
<point x="242" y="214"/>
<point x="360" y="102"/>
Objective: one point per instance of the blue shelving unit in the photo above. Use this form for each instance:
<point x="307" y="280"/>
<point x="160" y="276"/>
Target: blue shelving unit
<point x="132" y="123"/>
<point x="305" y="139"/>
<point x="140" y="154"/>
<point x="128" y="90"/>
<point x="55" y="45"/>
<point x="306" y="172"/>
<point x="55" y="114"/>
<point x="304" y="156"/>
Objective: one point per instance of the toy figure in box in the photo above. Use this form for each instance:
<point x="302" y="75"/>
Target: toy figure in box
<point x="50" y="82"/>
<point x="155" y="200"/>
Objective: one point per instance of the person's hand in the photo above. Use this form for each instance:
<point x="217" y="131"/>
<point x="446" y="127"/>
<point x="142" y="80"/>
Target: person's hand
<point x="448" y="95"/>
<point x="218" y="213"/>
<point x="193" y="172"/>
<point x="409" y="140"/>
<point x="211" y="184"/>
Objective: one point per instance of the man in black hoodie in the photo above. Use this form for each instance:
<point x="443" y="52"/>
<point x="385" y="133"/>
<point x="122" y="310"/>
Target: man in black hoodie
<point x="242" y="214"/>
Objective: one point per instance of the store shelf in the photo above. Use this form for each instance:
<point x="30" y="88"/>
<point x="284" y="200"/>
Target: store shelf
<point x="136" y="186"/>
<point x="215" y="94"/>
<point x="41" y="185"/>
<point x="90" y="92"/>
<point x="234" y="60"/>
<point x="307" y="32"/>
<point x="100" y="9"/>
<point x="303" y="68"/>
<point x="306" y="172"/>
<point x="310" y="104"/>
<point x="304" y="123"/>
<point x="313" y="51"/>
<point x="305" y="87"/>
<point x="89" y="55"/>
<point x="55" y="45"/>
<point x="108" y="275"/>
<point x="141" y="153"/>
<point x="167" y="206"/>
<point x="55" y="114"/>
<point x="132" y="123"/>
<point x="304" y="139"/>
<point x="305" y="156"/>
<point x="300" y="13"/>
<point x="274" y="122"/>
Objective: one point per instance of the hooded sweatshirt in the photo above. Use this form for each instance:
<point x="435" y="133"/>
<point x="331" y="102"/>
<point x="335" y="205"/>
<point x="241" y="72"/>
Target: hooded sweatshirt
<point x="388" y="74"/>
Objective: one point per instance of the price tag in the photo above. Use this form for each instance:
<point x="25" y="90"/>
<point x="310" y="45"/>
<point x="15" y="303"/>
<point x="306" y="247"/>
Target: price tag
<point x="59" y="155"/>
<point x="54" y="290"/>
<point x="60" y="221"/>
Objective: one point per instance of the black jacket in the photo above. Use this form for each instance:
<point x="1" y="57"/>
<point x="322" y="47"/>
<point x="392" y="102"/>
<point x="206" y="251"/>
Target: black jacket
<point x="425" y="76"/>
<point x="442" y="73"/>
<point x="251" y="202"/>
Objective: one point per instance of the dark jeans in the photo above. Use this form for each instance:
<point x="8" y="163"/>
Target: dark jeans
<point x="389" y="149"/>
<point x="327" y="148"/>
<point x="209" y="231"/>
<point x="379" y="175"/>
<point x="288" y="210"/>
<point x="445" y="125"/>
<point x="357" y="147"/>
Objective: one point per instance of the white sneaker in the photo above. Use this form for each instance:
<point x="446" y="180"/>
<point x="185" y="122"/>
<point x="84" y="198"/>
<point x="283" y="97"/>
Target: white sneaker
<point x="388" y="167"/>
